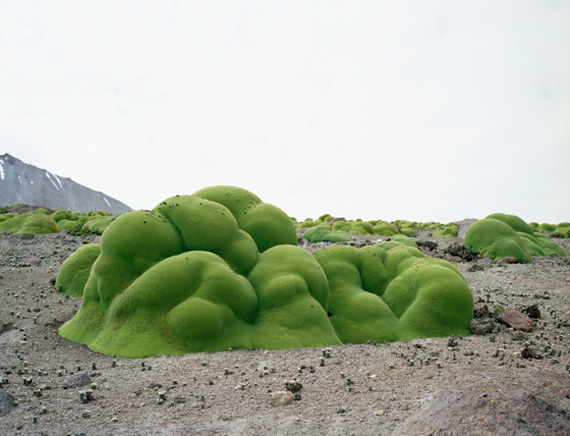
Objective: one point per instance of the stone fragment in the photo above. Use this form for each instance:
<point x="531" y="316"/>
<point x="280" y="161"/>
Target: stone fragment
<point x="517" y="320"/>
<point x="293" y="385"/>
<point x="517" y="404"/>
<point x="281" y="398"/>
<point x="530" y="353"/>
<point x="31" y="261"/>
<point x="482" y="326"/>
<point x="77" y="380"/>
<point x="6" y="402"/>
<point x="518" y="336"/>
<point x="532" y="311"/>
<point x="459" y="250"/>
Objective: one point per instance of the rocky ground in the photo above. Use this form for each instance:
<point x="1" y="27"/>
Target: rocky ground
<point x="501" y="381"/>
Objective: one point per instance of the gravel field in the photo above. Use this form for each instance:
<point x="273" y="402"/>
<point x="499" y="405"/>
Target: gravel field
<point x="512" y="378"/>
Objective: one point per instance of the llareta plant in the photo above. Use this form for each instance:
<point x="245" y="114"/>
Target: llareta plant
<point x="220" y="269"/>
<point x="500" y="235"/>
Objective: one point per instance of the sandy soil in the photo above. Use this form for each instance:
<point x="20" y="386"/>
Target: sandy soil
<point x="503" y="382"/>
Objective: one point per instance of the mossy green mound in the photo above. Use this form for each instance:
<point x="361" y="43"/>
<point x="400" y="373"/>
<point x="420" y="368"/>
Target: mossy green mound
<point x="397" y="240"/>
<point x="267" y="224"/>
<point x="37" y="222"/>
<point x="221" y="269"/>
<point x="448" y="231"/>
<point x="6" y="216"/>
<point x="324" y="233"/>
<point x="383" y="228"/>
<point x="499" y="236"/>
<point x="41" y="221"/>
<point x="74" y="273"/>
<point x="198" y="275"/>
<point x="562" y="231"/>
<point x="394" y="292"/>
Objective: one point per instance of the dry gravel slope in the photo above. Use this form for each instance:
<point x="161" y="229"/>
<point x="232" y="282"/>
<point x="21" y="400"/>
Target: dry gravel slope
<point x="505" y="382"/>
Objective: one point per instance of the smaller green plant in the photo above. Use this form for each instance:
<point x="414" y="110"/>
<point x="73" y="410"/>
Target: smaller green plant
<point x="498" y="310"/>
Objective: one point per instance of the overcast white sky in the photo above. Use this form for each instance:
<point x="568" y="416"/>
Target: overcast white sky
<point x="434" y="110"/>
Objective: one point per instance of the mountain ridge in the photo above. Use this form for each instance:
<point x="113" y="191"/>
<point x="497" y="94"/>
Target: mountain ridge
<point x="25" y="183"/>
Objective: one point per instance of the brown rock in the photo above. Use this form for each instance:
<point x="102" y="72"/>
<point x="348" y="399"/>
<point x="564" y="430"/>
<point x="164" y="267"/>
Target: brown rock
<point x="76" y="380"/>
<point x="494" y="406"/>
<point x="281" y="398"/>
<point x="530" y="353"/>
<point x="31" y="260"/>
<point x="517" y="320"/>
<point x="518" y="336"/>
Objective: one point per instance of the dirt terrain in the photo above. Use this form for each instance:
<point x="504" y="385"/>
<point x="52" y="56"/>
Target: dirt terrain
<point x="502" y="381"/>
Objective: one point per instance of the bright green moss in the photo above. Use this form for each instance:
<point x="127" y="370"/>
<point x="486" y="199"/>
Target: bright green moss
<point x="431" y="225"/>
<point x="496" y="238"/>
<point x="360" y="228"/>
<point x="326" y="218"/>
<point x="561" y="232"/>
<point x="341" y="226"/>
<point x="380" y="295"/>
<point x="383" y="228"/>
<point x="60" y="214"/>
<point x="198" y="275"/>
<point x="96" y="224"/>
<point x="176" y="280"/>
<point x="324" y="233"/>
<point x="72" y="276"/>
<point x="516" y="223"/>
<point x="407" y="231"/>
<point x="546" y="228"/>
<point x="36" y="222"/>
<point x="67" y="225"/>
<point x="307" y="224"/>
<point x="397" y="240"/>
<point x="6" y="217"/>
<point x="448" y="231"/>
<point x="267" y="224"/>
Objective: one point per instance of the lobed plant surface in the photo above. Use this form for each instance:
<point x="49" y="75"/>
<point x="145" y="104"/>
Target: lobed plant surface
<point x="500" y="235"/>
<point x="43" y="221"/>
<point x="220" y="269"/>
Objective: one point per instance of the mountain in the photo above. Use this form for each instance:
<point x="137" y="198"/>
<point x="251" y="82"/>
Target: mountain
<point x="24" y="183"/>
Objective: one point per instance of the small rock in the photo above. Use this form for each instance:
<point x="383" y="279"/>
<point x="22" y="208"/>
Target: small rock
<point x="6" y="327"/>
<point x="517" y="320"/>
<point x="6" y="402"/>
<point x="530" y="353"/>
<point x="31" y="261"/>
<point x="430" y="245"/>
<point x="86" y="396"/>
<point x="459" y="250"/>
<point x="76" y="380"/>
<point x="510" y="259"/>
<point x="483" y="326"/>
<point x="518" y="336"/>
<point x="281" y="398"/>
<point x="293" y="385"/>
<point x="532" y="311"/>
